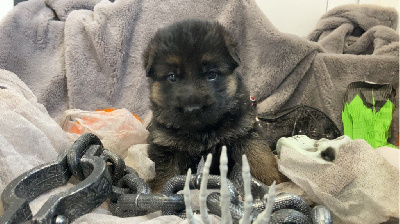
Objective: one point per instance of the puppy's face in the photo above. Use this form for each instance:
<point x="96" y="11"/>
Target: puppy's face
<point x="192" y="80"/>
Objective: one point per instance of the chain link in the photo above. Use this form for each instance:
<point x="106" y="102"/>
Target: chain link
<point x="79" y="149"/>
<point x="105" y="173"/>
<point x="131" y="195"/>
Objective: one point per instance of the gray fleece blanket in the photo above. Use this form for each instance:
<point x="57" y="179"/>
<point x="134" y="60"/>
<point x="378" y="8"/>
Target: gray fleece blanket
<point x="86" y="54"/>
<point x="358" y="29"/>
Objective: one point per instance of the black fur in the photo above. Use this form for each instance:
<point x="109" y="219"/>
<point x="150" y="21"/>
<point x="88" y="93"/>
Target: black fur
<point x="194" y="113"/>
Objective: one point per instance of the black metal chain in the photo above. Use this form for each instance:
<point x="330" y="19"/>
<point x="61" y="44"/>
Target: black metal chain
<point x="104" y="175"/>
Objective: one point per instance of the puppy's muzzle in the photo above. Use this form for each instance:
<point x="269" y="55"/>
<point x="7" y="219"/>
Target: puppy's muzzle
<point x="190" y="104"/>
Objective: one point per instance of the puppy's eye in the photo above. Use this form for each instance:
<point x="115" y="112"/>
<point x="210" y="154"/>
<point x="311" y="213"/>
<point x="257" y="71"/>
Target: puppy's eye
<point x="171" y="77"/>
<point x="212" y="75"/>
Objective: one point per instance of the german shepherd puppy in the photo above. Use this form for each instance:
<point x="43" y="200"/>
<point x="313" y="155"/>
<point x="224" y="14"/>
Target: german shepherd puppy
<point x="200" y="103"/>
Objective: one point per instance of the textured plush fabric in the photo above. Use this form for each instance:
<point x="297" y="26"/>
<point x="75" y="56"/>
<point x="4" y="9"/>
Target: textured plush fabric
<point x="86" y="54"/>
<point x="358" y="29"/>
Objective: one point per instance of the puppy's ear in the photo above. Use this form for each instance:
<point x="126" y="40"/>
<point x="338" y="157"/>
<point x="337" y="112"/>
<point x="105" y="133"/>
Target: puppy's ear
<point x="148" y="59"/>
<point x="232" y="48"/>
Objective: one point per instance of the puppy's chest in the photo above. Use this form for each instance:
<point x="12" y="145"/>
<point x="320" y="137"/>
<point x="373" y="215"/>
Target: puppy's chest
<point x="200" y="143"/>
<point x="184" y="161"/>
<point x="196" y="144"/>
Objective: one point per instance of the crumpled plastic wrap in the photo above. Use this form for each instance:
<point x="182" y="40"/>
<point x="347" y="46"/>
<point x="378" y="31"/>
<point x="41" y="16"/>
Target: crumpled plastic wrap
<point x="117" y="129"/>
<point x="360" y="186"/>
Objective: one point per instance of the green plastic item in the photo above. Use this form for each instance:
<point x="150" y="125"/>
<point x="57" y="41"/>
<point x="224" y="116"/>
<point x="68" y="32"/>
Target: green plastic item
<point x="362" y="122"/>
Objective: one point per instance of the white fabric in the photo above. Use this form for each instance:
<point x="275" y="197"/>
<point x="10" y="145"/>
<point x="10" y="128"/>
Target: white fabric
<point x="28" y="135"/>
<point x="360" y="186"/>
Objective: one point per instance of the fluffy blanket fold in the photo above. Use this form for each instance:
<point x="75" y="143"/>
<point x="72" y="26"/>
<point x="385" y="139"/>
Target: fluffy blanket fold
<point x="358" y="29"/>
<point x="86" y="54"/>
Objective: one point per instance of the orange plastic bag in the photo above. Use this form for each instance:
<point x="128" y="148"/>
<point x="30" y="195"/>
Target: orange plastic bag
<point x="118" y="129"/>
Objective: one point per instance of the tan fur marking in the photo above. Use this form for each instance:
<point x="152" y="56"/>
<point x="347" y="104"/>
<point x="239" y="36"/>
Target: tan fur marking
<point x="207" y="57"/>
<point x="263" y="164"/>
<point x="173" y="59"/>
<point x="156" y="93"/>
<point x="232" y="86"/>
